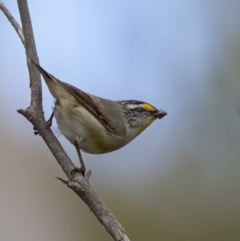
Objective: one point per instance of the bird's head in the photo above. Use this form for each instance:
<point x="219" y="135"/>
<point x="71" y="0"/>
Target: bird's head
<point x="139" y="115"/>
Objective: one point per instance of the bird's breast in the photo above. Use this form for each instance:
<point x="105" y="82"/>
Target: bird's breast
<point x="79" y="122"/>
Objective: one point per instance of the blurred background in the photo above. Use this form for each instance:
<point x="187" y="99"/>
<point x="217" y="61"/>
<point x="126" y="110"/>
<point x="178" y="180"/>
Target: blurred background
<point x="179" y="180"/>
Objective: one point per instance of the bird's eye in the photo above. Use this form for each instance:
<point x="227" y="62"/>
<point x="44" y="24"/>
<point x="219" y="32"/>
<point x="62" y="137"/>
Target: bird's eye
<point x="139" y="109"/>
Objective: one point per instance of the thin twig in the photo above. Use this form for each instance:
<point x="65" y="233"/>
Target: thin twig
<point x="13" y="22"/>
<point x="34" y="113"/>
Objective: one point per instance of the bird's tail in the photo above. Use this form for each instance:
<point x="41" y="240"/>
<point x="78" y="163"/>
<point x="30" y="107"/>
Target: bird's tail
<point x="54" y="84"/>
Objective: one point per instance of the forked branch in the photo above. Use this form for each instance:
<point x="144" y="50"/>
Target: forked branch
<point x="34" y="114"/>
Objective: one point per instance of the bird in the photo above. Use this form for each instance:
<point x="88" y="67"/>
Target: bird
<point x="93" y="124"/>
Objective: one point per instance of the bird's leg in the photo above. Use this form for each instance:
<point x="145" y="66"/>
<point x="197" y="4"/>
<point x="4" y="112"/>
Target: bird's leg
<point x="48" y="124"/>
<point x="49" y="121"/>
<point x="82" y="168"/>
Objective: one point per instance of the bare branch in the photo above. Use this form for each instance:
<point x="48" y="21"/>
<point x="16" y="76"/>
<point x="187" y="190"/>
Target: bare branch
<point x="51" y="141"/>
<point x="34" y="113"/>
<point x="13" y="22"/>
<point x="82" y="188"/>
<point x="31" y="52"/>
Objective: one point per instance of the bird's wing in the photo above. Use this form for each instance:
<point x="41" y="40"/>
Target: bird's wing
<point x="87" y="102"/>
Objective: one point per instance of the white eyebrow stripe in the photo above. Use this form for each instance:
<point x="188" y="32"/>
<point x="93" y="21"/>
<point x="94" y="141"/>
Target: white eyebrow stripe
<point x="133" y="106"/>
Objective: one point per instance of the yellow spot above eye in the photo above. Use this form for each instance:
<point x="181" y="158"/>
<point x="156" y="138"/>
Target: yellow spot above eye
<point x="149" y="107"/>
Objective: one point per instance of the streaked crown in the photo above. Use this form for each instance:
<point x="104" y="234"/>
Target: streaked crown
<point x="139" y="113"/>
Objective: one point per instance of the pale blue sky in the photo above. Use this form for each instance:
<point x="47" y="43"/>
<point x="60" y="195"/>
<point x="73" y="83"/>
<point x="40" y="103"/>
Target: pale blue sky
<point x="180" y="56"/>
<point x="162" y="52"/>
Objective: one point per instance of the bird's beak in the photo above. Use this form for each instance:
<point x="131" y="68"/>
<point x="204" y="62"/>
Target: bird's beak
<point x="160" y="114"/>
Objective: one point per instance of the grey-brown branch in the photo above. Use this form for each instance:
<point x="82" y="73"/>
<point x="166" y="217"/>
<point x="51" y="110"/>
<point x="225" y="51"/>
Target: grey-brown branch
<point x="34" y="113"/>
